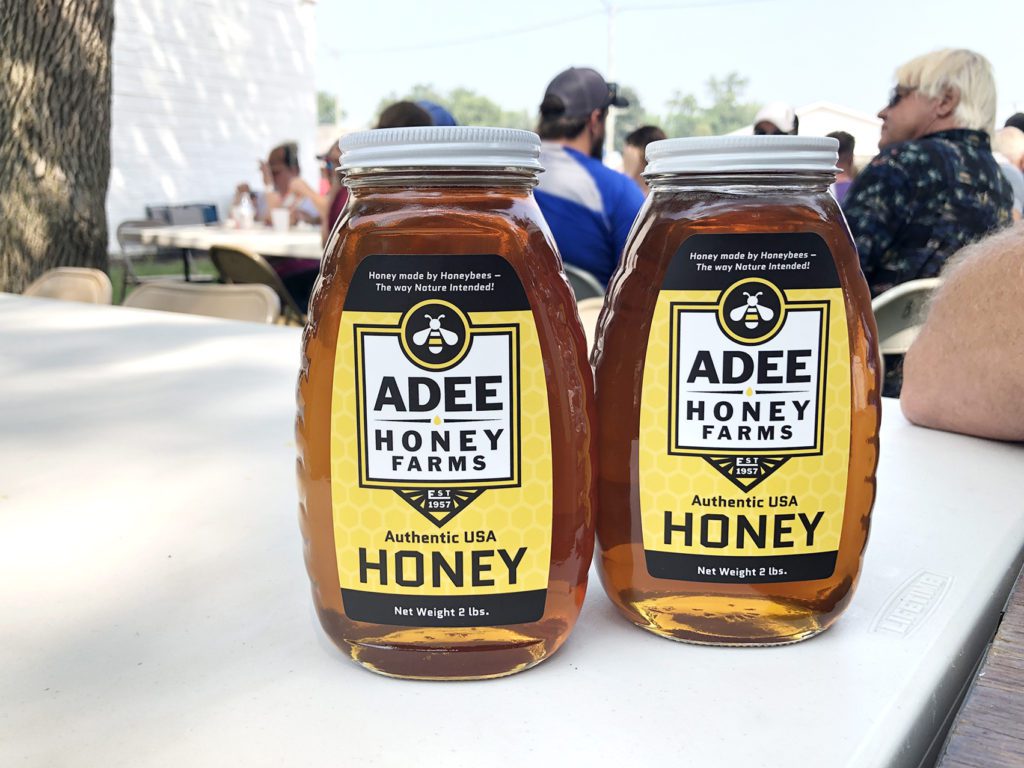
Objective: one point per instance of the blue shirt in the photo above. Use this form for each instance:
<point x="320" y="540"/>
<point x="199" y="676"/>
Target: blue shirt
<point x="589" y="207"/>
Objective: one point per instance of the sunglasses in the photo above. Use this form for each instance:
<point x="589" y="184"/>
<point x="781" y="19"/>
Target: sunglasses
<point x="898" y="94"/>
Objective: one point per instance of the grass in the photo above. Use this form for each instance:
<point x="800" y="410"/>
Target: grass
<point x="157" y="266"/>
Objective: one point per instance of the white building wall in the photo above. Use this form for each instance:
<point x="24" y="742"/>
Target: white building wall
<point x="202" y="89"/>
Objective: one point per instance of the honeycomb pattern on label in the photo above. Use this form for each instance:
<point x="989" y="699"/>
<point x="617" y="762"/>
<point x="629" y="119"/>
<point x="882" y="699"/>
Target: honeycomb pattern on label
<point x="670" y="482"/>
<point x="519" y="517"/>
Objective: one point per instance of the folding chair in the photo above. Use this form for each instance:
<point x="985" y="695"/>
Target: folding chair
<point x="899" y="315"/>
<point x="129" y="240"/>
<point x="584" y="285"/>
<point x="240" y="265"/>
<point x="253" y="303"/>
<point x="91" y="286"/>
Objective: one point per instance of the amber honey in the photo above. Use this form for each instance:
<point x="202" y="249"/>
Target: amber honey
<point x="445" y="412"/>
<point x="731" y="513"/>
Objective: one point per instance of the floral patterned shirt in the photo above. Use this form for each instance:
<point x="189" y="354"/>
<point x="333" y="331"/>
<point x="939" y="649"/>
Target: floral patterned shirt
<point x="920" y="201"/>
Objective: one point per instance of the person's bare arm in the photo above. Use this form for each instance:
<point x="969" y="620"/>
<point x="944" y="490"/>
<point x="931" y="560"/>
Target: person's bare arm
<point x="965" y="371"/>
<point x="273" y="199"/>
<point x="301" y="190"/>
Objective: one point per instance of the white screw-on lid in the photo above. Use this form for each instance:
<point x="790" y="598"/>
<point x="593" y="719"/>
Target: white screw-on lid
<point x="743" y="154"/>
<point x="457" y="146"/>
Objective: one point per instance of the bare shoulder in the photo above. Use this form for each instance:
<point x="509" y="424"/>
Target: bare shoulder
<point x="965" y="371"/>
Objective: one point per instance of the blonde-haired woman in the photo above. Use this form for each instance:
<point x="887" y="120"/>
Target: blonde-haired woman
<point x="934" y="186"/>
<point x="936" y="162"/>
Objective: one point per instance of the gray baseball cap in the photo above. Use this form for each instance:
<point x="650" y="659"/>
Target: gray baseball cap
<point x="581" y="90"/>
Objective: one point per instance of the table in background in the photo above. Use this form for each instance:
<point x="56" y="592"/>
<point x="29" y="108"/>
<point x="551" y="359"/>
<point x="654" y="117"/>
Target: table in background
<point x="298" y="242"/>
<point x="156" y="611"/>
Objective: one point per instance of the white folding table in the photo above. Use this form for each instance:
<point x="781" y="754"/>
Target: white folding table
<point x="156" y="612"/>
<point x="301" y="242"/>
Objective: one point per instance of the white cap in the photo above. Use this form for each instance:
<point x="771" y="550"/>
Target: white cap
<point x="457" y="146"/>
<point x="779" y="114"/>
<point x="743" y="154"/>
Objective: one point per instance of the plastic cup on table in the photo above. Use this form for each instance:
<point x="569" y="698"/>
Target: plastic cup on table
<point x="280" y="219"/>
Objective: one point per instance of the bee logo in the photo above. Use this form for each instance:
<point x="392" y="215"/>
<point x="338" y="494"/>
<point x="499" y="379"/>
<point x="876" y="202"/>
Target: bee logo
<point x="751" y="312"/>
<point x="434" y="336"/>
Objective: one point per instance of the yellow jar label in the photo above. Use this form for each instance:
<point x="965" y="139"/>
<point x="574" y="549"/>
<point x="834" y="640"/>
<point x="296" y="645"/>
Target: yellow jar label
<point x="745" y="412"/>
<point x="440" y="445"/>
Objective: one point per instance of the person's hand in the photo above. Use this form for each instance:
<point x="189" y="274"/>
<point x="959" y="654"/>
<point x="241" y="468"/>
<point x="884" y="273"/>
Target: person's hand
<point x="268" y="177"/>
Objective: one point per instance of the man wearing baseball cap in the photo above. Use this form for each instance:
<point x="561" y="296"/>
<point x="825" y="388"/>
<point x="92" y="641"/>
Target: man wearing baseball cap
<point x="589" y="207"/>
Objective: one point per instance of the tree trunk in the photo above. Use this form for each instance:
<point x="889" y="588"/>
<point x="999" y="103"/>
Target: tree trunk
<point x="54" y="136"/>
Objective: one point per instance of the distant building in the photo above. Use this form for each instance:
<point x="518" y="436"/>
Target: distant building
<point x="822" y="117"/>
<point x="202" y="92"/>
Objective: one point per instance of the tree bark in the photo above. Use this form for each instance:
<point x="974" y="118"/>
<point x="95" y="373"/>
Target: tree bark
<point x="55" y="87"/>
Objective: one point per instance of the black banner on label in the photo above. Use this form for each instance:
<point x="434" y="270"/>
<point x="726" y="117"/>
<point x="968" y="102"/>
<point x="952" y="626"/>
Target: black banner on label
<point x="396" y="283"/>
<point x="715" y="262"/>
<point x="444" y="610"/>
<point x="740" y="570"/>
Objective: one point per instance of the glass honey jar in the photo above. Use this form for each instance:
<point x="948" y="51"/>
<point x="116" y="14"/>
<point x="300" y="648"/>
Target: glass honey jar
<point x="445" y="412"/>
<point x="738" y="397"/>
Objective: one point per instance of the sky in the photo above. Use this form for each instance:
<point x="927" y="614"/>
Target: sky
<point x="799" y="51"/>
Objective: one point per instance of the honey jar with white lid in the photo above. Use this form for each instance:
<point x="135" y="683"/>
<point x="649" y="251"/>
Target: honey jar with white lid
<point x="738" y="397"/>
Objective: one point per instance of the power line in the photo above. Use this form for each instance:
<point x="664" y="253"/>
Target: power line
<point x="473" y="39"/>
<point x="687" y="6"/>
<point x="476" y="38"/>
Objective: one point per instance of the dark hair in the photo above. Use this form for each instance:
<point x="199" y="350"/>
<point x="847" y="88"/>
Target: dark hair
<point x="1015" y="121"/>
<point x="846" y="142"/>
<point x="404" y="114"/>
<point x="289" y="154"/>
<point x="644" y="135"/>
<point x="554" y="124"/>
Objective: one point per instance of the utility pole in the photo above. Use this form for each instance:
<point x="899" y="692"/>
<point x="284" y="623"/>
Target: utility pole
<point x="609" y="139"/>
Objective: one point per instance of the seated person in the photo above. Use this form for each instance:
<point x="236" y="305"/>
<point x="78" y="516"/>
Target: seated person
<point x="438" y="114"/>
<point x="845" y="164"/>
<point x="404" y="114"/>
<point x="1008" y="150"/>
<point x="337" y="194"/>
<point x="776" y="118"/>
<point x="634" y="153"/>
<point x="300" y="278"/>
<point x="589" y="207"/>
<point x="965" y="371"/>
<point x="935" y="186"/>
<point x="401" y="114"/>
<point x="283" y="187"/>
<point x="1016" y="120"/>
